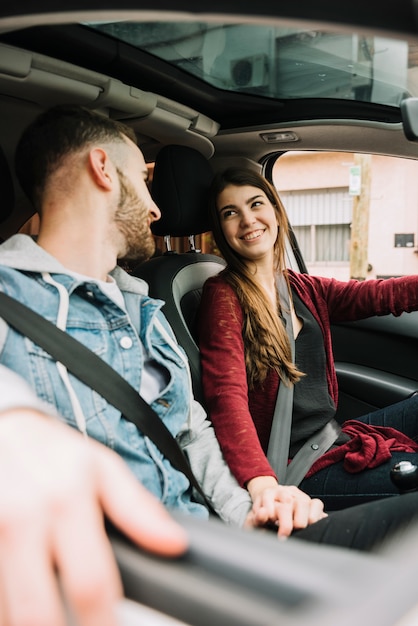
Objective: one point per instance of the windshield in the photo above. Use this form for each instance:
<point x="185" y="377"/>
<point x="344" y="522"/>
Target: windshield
<point x="278" y="62"/>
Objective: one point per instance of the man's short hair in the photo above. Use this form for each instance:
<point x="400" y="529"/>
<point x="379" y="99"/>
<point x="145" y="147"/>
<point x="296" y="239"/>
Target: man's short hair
<point x="57" y="133"/>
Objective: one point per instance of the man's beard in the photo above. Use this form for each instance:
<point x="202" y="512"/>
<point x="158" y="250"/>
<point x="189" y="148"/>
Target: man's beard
<point x="131" y="218"/>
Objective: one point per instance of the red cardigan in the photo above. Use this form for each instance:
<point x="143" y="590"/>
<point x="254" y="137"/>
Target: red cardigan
<point x="242" y="418"/>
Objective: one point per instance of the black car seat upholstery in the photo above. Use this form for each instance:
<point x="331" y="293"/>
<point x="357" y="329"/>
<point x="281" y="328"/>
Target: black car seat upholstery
<point x="181" y="180"/>
<point x="7" y="189"/>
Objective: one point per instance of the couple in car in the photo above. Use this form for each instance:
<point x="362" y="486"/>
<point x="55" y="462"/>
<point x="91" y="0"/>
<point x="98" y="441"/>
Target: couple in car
<point x="87" y="179"/>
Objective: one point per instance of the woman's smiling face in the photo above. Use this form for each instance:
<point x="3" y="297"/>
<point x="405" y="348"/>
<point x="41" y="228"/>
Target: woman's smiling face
<point x="248" y="221"/>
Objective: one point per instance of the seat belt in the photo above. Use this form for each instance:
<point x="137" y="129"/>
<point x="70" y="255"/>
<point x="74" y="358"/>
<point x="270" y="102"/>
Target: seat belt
<point x="98" y="375"/>
<point x="279" y="443"/>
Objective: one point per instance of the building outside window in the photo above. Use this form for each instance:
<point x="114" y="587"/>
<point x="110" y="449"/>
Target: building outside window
<point x="321" y="221"/>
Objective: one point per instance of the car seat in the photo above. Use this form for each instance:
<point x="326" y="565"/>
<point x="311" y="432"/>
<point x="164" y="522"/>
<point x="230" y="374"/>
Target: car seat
<point x="7" y="189"/>
<point x="181" y="180"/>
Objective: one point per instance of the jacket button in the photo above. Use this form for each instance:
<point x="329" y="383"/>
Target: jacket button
<point x="125" y="343"/>
<point x="314" y="446"/>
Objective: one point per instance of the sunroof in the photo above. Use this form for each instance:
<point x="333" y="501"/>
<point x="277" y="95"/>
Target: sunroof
<point x="278" y="62"/>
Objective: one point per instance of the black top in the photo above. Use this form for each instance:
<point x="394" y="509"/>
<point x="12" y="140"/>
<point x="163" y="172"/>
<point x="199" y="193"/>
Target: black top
<point x="313" y="407"/>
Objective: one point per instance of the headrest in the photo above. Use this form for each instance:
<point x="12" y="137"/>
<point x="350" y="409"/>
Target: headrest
<point x="6" y="188"/>
<point x="180" y="184"/>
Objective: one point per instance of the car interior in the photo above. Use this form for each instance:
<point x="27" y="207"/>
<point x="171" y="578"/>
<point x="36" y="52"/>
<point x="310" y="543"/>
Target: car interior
<point x="203" y="89"/>
<point x="253" y="118"/>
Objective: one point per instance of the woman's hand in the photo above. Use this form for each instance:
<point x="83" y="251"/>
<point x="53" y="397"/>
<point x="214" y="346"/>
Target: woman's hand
<point x="287" y="507"/>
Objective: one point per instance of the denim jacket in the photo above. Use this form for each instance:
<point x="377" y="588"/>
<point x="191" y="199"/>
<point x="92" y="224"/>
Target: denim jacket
<point x="80" y="308"/>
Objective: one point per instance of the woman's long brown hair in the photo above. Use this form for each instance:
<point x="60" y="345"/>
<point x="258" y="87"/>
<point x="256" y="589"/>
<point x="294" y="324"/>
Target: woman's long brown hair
<point x="266" y="343"/>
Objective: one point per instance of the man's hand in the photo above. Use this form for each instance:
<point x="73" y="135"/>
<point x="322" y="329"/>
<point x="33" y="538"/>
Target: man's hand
<point x="287" y="507"/>
<point x="55" y="488"/>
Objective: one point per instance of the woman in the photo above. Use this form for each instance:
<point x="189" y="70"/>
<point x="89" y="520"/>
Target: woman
<point x="246" y="354"/>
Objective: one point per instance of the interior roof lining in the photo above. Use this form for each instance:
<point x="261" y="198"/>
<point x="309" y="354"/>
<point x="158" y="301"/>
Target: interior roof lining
<point x="78" y="45"/>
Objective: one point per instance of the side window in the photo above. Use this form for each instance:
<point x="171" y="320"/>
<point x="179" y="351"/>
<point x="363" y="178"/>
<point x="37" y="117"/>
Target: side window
<point x="353" y="215"/>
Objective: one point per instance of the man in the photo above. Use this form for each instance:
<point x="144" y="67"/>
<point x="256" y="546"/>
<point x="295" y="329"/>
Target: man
<point x="87" y="179"/>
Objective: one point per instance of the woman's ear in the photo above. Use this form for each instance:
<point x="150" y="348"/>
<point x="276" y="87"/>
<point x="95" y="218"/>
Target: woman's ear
<point x="101" y="167"/>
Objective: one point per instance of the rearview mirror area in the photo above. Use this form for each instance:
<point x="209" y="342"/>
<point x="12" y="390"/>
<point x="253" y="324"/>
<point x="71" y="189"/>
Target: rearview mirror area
<point x="409" y="113"/>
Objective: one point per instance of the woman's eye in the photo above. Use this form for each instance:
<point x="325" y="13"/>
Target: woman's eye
<point x="228" y="213"/>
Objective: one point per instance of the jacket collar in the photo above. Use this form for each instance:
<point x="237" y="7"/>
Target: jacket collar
<point x="21" y="252"/>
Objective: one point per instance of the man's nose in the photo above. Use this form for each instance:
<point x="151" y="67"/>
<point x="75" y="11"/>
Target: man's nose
<point x="154" y="212"/>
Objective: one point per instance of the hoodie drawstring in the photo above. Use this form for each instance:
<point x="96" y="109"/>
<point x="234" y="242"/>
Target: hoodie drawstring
<point x="64" y="303"/>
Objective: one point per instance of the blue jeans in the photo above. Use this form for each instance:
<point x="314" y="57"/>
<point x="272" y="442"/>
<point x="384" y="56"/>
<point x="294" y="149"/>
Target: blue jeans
<point x="339" y="489"/>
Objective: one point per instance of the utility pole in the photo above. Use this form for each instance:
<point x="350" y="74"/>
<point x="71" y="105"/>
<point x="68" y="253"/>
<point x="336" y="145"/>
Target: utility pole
<point x="360" y="190"/>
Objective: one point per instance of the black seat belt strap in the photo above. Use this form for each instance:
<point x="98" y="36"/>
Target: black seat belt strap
<point x="98" y="375"/>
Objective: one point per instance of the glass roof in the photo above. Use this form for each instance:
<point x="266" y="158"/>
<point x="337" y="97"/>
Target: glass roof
<point x="279" y="62"/>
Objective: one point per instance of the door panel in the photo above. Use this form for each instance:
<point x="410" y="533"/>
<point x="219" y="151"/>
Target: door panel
<point x="376" y="361"/>
<point x="233" y="577"/>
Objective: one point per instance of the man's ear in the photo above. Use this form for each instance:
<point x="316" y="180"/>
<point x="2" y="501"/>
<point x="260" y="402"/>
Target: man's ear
<point x="101" y="168"/>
